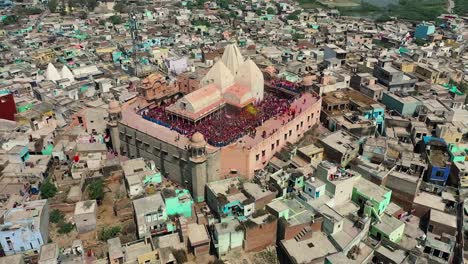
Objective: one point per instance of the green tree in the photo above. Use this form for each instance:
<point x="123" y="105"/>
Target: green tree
<point x="91" y="4"/>
<point x="120" y="7"/>
<point x="271" y="11"/>
<point x="294" y="15"/>
<point x="56" y="216"/>
<point x="108" y="233"/>
<point x="96" y="188"/>
<point x="82" y="15"/>
<point x="9" y="20"/>
<point x="259" y="12"/>
<point x="52" y="5"/>
<point x="65" y="228"/>
<point x="224" y="4"/>
<point x="47" y="189"/>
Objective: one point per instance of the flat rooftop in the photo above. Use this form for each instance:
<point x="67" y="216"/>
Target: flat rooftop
<point x="370" y="189"/>
<point x="197" y="234"/>
<point x="305" y="251"/>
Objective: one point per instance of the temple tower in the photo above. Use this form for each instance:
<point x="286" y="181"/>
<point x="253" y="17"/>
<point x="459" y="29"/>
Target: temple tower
<point x="115" y="115"/>
<point x="198" y="162"/>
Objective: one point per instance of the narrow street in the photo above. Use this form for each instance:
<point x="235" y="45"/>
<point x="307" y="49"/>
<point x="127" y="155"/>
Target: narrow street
<point x="460" y="234"/>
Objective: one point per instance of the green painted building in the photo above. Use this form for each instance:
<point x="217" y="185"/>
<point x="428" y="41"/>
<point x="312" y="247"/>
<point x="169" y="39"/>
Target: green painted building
<point x="389" y="227"/>
<point x="178" y="202"/>
<point x="372" y="198"/>
<point x="457" y="153"/>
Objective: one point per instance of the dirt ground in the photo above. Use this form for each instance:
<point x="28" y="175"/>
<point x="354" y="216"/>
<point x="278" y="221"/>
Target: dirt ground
<point x="105" y="218"/>
<point x="266" y="256"/>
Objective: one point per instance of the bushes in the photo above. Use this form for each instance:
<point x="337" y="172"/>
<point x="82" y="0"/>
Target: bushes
<point x="47" y="189"/>
<point x="108" y="233"/>
<point x="56" y="216"/>
<point x="65" y="227"/>
<point x="96" y="188"/>
<point x="115" y="19"/>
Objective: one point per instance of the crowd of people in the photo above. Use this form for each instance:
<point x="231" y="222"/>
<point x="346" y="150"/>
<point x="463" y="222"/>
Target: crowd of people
<point x="293" y="87"/>
<point x="225" y="127"/>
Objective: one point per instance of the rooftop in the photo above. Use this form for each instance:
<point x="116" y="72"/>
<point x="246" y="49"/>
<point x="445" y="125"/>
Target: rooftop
<point x="305" y="251"/>
<point x="370" y="189"/>
<point x="197" y="234"/>
<point x="388" y="224"/>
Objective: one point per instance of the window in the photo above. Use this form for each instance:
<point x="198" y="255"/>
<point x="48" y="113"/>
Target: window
<point x="290" y="132"/>
<point x="285" y="136"/>
<point x="257" y="157"/>
<point x="302" y="124"/>
<point x="277" y="142"/>
<point x="308" y="119"/>
<point x="263" y="153"/>
<point x="297" y="127"/>
<point x="273" y="146"/>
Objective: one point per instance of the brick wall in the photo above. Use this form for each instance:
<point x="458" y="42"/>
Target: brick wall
<point x="260" y="237"/>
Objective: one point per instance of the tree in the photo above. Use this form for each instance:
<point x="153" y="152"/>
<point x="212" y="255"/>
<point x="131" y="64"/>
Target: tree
<point x="259" y="12"/>
<point x="294" y="15"/>
<point x="108" y="233"/>
<point x="224" y="4"/>
<point x="48" y="189"/>
<point x="96" y="188"/>
<point x="271" y="11"/>
<point x="9" y="20"/>
<point x="120" y="7"/>
<point x="232" y="14"/>
<point x="91" y="4"/>
<point x="65" y="228"/>
<point x="52" y="5"/>
<point x="83" y="15"/>
<point x="56" y="216"/>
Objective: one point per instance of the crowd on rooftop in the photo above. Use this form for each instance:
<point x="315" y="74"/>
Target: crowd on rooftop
<point x="225" y="127"/>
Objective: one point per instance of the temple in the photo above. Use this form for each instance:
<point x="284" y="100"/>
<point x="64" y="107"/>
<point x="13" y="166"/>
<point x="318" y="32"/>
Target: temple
<point x="230" y="126"/>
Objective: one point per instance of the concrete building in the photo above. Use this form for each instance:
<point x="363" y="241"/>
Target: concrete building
<point x="389" y="227"/>
<point x="194" y="159"/>
<point x="25" y="227"/>
<point x="405" y="106"/>
<point x="424" y="30"/>
<point x="49" y="254"/>
<point x="85" y="216"/>
<point x="199" y="239"/>
<point x="442" y="223"/>
<point x="178" y="202"/>
<point x="12" y="259"/>
<point x="227" y="199"/>
<point x="151" y="216"/>
<point x="372" y="199"/>
<point x="311" y="250"/>
<point x="392" y="78"/>
<point x="341" y="147"/>
<point x="260" y="232"/>
<point x="436" y="154"/>
<point x="352" y="111"/>
<point x="228" y="237"/>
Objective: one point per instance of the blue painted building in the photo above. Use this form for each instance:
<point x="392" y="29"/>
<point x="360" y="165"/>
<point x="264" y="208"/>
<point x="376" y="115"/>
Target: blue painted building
<point x="424" y="30"/>
<point x="25" y="228"/>
<point x="376" y="113"/>
<point x="436" y="153"/>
